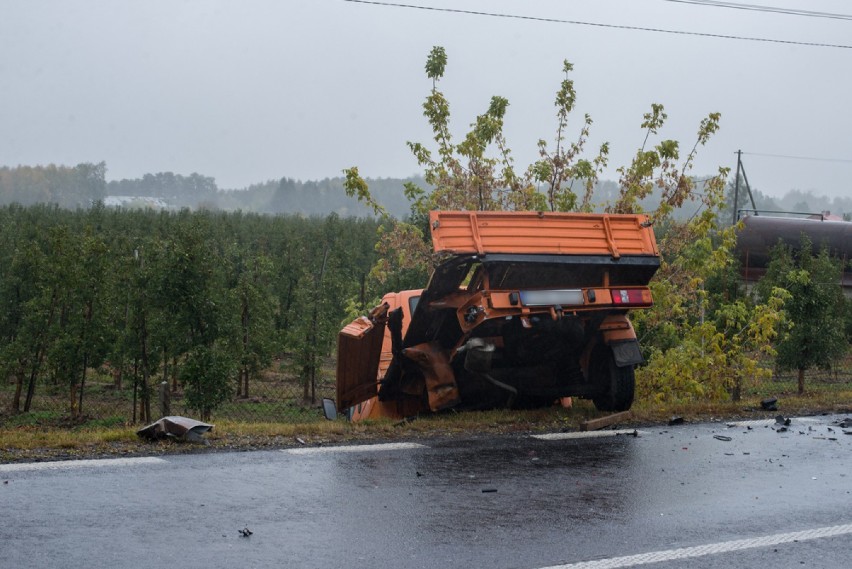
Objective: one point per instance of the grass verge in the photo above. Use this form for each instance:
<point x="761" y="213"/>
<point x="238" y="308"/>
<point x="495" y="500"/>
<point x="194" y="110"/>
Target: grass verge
<point x="29" y="441"/>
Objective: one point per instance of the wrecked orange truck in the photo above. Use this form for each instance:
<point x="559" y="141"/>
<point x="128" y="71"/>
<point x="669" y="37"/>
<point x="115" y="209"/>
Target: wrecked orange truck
<point x="527" y="308"/>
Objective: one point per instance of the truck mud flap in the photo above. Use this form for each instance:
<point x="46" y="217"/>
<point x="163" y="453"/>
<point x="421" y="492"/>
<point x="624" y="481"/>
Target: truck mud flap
<point x="440" y="380"/>
<point x="626" y="353"/>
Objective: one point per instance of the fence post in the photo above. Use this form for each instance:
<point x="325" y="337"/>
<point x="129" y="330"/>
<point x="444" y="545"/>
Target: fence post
<point x="165" y="401"/>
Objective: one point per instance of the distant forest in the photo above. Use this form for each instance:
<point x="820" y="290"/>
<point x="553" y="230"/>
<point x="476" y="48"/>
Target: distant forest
<point x="78" y="187"/>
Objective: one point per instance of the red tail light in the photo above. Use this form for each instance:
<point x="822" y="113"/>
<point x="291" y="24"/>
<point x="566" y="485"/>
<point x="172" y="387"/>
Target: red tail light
<point x="631" y="297"/>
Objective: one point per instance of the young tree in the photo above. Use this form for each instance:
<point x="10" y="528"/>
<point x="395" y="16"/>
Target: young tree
<point x="253" y="300"/>
<point x="207" y="374"/>
<point x="815" y="310"/>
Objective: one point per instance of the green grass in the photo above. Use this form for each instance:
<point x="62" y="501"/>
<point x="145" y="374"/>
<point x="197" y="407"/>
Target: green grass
<point x="33" y="419"/>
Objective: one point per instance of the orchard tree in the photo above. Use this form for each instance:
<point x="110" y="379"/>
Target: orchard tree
<point x="814" y="311"/>
<point x="207" y="374"/>
<point x="255" y="306"/>
<point x="325" y="281"/>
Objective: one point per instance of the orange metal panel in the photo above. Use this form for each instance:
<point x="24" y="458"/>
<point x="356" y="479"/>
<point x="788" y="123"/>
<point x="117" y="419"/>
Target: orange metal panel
<point x="359" y="346"/>
<point x="544" y="233"/>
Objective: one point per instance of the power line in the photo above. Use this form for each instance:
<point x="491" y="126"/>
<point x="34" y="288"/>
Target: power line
<point x="768" y="9"/>
<point x="811" y="158"/>
<point x="595" y="24"/>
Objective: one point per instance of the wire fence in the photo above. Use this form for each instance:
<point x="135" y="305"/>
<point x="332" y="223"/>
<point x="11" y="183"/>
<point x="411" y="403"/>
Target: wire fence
<point x="278" y="395"/>
<point x="839" y="372"/>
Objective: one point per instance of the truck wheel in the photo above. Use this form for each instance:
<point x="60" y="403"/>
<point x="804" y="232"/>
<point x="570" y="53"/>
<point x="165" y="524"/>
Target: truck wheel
<point x="616" y="384"/>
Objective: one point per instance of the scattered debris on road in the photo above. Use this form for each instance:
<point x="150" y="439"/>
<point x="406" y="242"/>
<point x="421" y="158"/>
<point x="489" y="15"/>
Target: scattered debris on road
<point x="245" y="532"/>
<point x="722" y="438"/>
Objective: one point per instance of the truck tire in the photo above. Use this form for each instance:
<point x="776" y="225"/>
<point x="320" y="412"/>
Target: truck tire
<point x="616" y="384"/>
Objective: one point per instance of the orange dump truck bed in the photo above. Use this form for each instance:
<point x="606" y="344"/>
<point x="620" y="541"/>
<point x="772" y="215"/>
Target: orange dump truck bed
<point x="541" y="233"/>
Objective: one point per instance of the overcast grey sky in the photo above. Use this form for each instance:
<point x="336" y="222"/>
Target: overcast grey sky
<point x="251" y="90"/>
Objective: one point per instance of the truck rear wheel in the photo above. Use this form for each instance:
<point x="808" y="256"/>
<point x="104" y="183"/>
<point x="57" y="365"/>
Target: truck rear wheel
<point x="616" y="384"/>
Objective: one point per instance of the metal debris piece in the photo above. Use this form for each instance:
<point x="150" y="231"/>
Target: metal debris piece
<point x="489" y="490"/>
<point x="601" y="422"/>
<point x="780" y="420"/>
<point x="181" y="428"/>
<point x="769" y="404"/>
<point x="722" y="438"/>
<point x="676" y="421"/>
<point x="245" y="532"/>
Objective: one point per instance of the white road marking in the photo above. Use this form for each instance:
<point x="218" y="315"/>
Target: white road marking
<point x="354" y="448"/>
<point x="586" y="435"/>
<point x="770" y="422"/>
<point x="72" y="464"/>
<point x="709" y="549"/>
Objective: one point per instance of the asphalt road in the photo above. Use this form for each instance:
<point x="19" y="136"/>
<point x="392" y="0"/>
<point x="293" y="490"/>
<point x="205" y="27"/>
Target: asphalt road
<point x="707" y="495"/>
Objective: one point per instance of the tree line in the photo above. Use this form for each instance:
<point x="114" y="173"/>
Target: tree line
<point x="85" y="184"/>
<point x="201" y="300"/>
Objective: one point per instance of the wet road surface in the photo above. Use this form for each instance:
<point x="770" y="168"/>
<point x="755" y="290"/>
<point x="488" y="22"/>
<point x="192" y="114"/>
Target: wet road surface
<point x="669" y="495"/>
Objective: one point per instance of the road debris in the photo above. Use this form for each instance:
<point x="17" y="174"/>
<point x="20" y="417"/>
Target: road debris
<point x="245" y="532"/>
<point x="769" y="404"/>
<point x="676" y="421"/>
<point x="601" y="422"/>
<point x="722" y="438"/>
<point x="176" y="427"/>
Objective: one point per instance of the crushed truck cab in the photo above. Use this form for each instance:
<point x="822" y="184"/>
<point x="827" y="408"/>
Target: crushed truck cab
<point x="526" y="308"/>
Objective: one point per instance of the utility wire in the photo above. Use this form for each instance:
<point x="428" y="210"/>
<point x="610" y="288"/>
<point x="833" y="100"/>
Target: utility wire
<point x="595" y="24"/>
<point x="811" y="158"/>
<point x="769" y="9"/>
